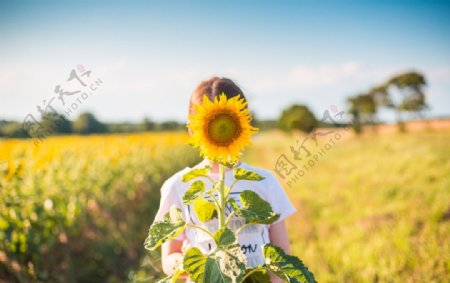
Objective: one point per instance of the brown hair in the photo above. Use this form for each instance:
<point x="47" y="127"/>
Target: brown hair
<point x="212" y="88"/>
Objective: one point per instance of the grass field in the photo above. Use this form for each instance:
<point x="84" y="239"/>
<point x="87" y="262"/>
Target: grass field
<point x="374" y="208"/>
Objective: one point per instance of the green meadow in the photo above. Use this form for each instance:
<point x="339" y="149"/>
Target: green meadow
<point x="374" y="208"/>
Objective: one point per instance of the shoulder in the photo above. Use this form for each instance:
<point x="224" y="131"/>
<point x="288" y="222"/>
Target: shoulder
<point x="174" y="180"/>
<point x="272" y="191"/>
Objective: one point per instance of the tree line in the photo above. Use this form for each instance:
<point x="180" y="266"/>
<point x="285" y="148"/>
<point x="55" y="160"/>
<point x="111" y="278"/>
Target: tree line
<point x="401" y="93"/>
<point x="86" y="123"/>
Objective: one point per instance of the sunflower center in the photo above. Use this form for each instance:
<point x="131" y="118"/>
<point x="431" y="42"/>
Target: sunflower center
<point x="223" y="129"/>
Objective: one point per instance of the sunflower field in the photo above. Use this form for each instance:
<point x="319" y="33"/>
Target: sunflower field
<point x="77" y="209"/>
<point x="374" y="208"/>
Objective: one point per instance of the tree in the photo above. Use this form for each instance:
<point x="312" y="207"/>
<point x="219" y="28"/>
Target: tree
<point x="410" y="85"/>
<point x="11" y="129"/>
<point x="56" y="123"/>
<point x="355" y="112"/>
<point x="363" y="109"/>
<point x="148" y="125"/>
<point x="297" y="117"/>
<point x="170" y="126"/>
<point x="381" y="96"/>
<point x="86" y="123"/>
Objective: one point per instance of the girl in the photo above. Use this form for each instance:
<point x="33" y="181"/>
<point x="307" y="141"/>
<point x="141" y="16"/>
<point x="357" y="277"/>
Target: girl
<point x="252" y="238"/>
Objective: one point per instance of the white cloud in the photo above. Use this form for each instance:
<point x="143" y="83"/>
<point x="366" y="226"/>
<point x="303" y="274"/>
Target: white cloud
<point x="311" y="76"/>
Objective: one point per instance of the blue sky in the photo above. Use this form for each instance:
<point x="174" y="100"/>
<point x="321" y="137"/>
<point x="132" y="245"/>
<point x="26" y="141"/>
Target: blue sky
<point x="150" y="55"/>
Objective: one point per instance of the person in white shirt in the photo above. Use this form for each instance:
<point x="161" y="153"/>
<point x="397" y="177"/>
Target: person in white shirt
<point x="251" y="238"/>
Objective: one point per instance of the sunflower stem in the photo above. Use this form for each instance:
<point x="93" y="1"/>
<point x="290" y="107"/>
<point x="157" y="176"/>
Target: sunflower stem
<point x="229" y="217"/>
<point x="242" y="228"/>
<point x="231" y="187"/>
<point x="216" y="202"/>
<point x="201" y="229"/>
<point x="222" y="196"/>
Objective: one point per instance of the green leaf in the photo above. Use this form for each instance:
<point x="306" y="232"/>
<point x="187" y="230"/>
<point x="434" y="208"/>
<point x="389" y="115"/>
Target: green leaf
<point x="168" y="228"/>
<point x="195" y="191"/>
<point x="204" y="209"/>
<point x="194" y="263"/>
<point x="227" y="266"/>
<point x="254" y="209"/>
<point x="200" y="172"/>
<point x="224" y="237"/>
<point x="222" y="266"/>
<point x="228" y="164"/>
<point x="242" y="174"/>
<point x="288" y="267"/>
<point x="260" y="276"/>
<point x="172" y="278"/>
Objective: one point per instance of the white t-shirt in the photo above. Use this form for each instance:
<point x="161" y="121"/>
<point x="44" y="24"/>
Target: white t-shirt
<point x="251" y="238"/>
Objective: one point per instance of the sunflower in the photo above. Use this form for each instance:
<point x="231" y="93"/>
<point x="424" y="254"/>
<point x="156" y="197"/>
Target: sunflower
<point x="221" y="129"/>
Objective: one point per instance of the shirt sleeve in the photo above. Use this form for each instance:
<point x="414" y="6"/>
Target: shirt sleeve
<point x="169" y="197"/>
<point x="279" y="200"/>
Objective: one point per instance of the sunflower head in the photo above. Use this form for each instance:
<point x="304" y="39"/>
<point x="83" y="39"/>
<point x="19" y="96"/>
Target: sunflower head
<point x="221" y="128"/>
